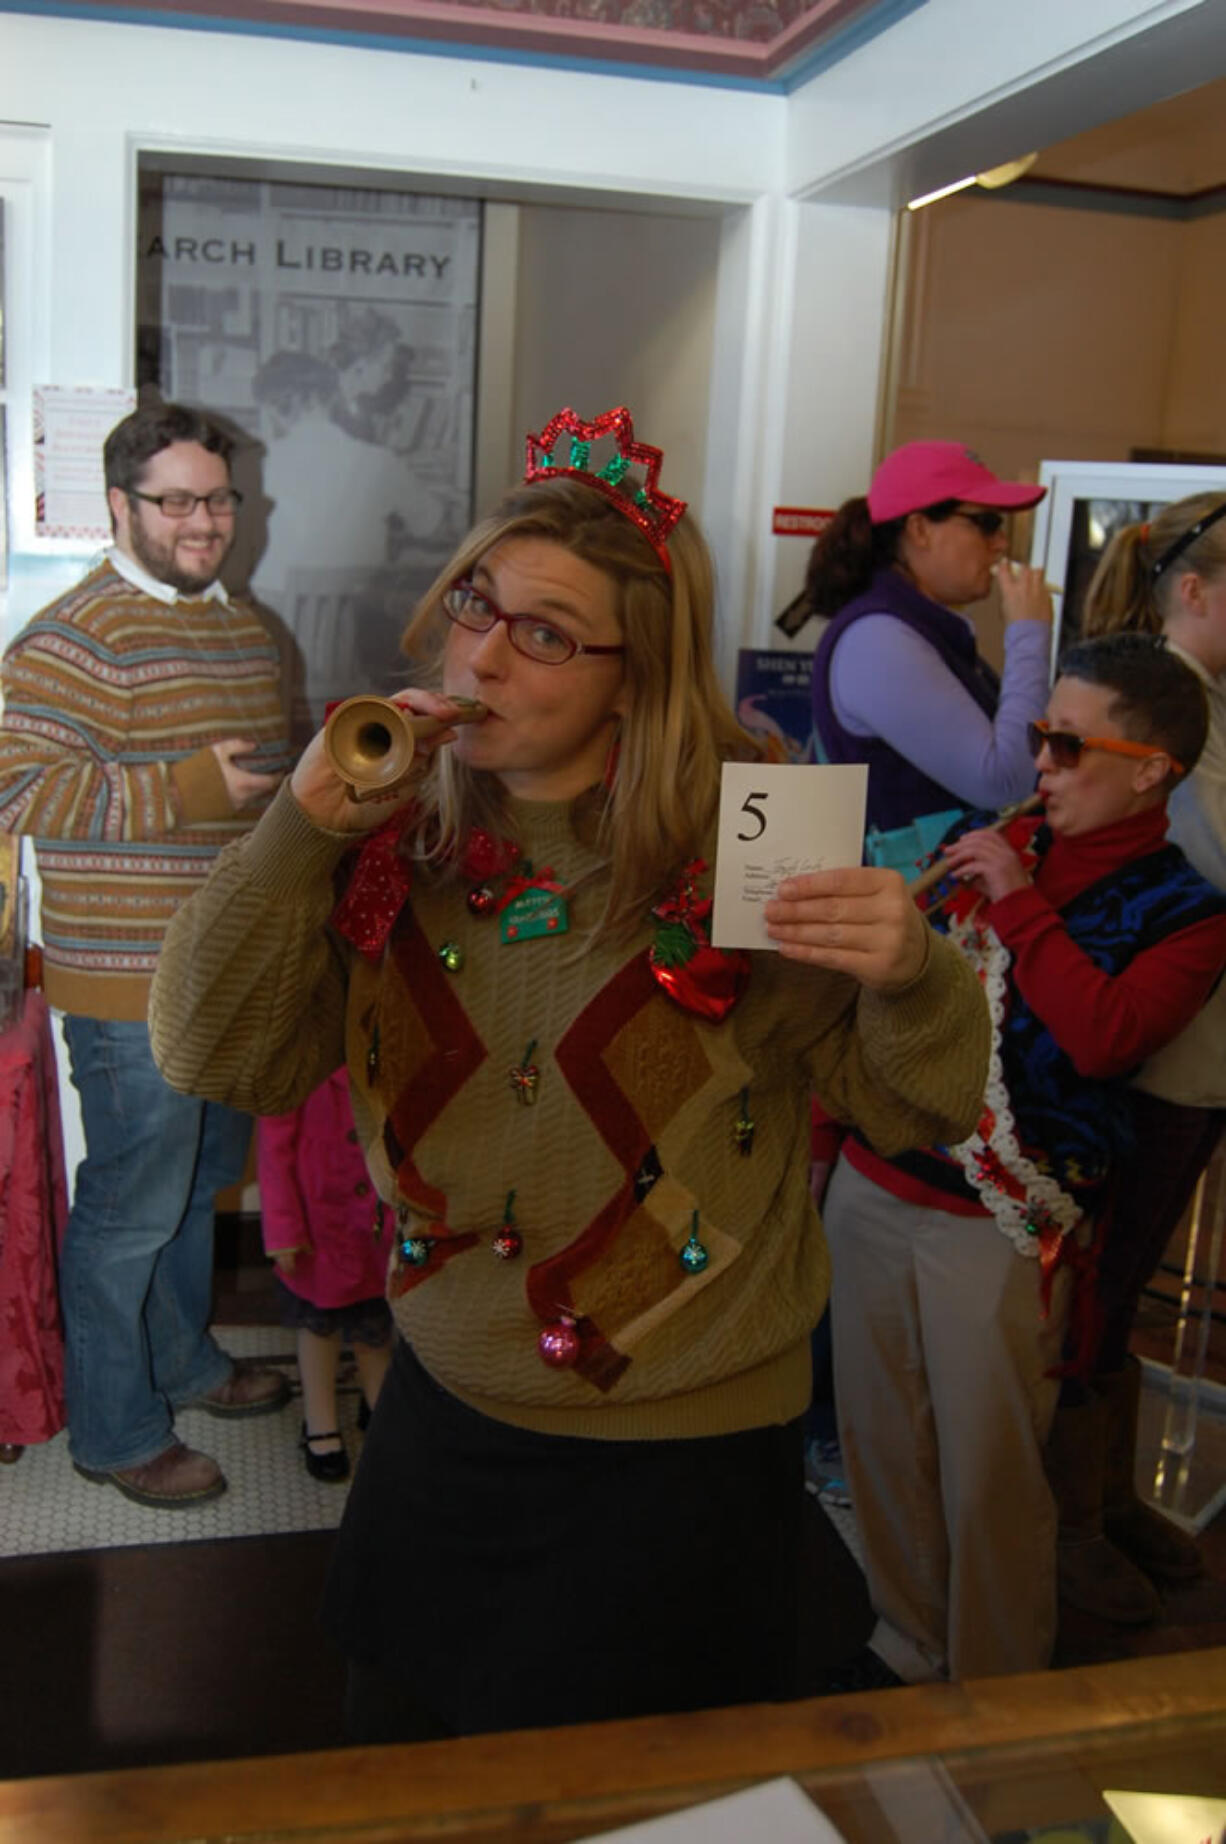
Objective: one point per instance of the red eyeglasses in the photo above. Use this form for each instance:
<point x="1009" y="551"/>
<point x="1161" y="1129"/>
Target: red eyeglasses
<point x="1064" y="747"/>
<point x="531" y="635"/>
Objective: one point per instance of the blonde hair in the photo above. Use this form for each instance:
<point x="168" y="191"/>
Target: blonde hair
<point x="661" y="796"/>
<point x="1124" y="593"/>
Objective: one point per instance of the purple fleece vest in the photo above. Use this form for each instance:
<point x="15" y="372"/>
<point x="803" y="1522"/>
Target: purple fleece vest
<point x="898" y="792"/>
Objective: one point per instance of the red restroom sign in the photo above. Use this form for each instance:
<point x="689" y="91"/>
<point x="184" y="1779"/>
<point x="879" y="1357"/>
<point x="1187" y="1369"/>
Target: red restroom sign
<point x="800" y="521"/>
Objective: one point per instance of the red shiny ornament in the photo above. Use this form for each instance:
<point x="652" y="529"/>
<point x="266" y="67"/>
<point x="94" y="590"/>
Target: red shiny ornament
<point x="481" y="901"/>
<point x="507" y="1243"/>
<point x="709" y="983"/>
<point x="701" y="979"/>
<point x="559" y="1344"/>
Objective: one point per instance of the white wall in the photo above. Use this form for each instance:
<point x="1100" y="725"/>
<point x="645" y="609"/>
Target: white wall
<point x="831" y="374"/>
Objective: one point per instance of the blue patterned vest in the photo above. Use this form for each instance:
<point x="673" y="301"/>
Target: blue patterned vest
<point x="1076" y="1127"/>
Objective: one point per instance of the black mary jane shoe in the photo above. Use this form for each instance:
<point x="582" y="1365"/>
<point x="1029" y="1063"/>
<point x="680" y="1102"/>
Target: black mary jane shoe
<point x="330" y="1467"/>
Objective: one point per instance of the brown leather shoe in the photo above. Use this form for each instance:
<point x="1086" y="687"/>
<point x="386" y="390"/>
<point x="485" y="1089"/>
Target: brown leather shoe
<point x="248" y="1390"/>
<point x="176" y="1479"/>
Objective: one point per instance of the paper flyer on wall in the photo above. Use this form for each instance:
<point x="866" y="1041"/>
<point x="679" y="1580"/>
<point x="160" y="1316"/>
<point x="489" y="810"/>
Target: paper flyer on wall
<point x="71" y="422"/>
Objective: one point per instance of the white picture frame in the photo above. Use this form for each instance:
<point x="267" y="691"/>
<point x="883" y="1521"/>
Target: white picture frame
<point x="1069" y="482"/>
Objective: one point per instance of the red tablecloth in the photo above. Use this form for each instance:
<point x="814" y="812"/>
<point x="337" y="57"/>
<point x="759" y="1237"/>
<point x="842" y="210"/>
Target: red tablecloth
<point x="33" y="1212"/>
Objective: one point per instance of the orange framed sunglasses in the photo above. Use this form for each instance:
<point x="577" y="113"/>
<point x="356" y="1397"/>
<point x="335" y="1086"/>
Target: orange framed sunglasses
<point x="1065" y="747"/>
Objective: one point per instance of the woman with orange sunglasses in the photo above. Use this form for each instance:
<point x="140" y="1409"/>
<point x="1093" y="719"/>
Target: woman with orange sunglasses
<point x="954" y="1269"/>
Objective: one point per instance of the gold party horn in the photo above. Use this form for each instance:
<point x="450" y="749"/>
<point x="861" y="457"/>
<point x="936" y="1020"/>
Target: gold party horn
<point x="370" y="742"/>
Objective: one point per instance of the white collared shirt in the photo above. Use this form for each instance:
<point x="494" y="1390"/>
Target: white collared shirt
<point x="134" y="573"/>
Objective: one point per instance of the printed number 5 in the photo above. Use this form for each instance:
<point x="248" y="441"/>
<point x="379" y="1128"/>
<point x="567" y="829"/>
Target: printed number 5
<point x="754" y="813"/>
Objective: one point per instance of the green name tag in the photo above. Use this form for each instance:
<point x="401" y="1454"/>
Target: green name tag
<point x="533" y="913"/>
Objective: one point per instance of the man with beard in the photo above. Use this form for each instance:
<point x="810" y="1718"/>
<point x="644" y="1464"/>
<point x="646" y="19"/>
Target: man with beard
<point x="142" y="729"/>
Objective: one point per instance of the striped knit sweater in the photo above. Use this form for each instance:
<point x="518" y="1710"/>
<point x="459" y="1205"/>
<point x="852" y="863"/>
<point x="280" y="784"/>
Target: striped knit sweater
<point x="112" y="702"/>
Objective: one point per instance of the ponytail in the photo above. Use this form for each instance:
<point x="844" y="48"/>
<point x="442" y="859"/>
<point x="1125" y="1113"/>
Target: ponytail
<point x="1132" y="586"/>
<point x="1121" y="593"/>
<point x="847" y="556"/>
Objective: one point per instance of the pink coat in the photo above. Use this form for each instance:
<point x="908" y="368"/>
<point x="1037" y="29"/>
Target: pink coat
<point x="316" y="1196"/>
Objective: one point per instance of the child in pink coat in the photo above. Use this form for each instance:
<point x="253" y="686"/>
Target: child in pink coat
<point x="325" y="1228"/>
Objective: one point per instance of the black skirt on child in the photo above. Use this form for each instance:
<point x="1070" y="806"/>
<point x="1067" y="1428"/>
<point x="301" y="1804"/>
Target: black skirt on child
<point x="361" y="1322"/>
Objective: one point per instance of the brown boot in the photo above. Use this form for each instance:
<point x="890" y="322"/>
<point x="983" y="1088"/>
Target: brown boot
<point x="1093" y="1575"/>
<point x="248" y="1390"/>
<point x="1150" y="1540"/>
<point x="176" y="1480"/>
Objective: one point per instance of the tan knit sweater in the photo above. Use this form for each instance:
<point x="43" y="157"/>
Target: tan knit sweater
<point x="632" y="1131"/>
<point x="112" y="702"/>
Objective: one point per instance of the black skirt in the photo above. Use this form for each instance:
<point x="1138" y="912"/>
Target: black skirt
<point x="504" y="1579"/>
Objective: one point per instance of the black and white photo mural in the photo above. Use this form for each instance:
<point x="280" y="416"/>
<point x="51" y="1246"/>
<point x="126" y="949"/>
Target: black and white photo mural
<point x="335" y="327"/>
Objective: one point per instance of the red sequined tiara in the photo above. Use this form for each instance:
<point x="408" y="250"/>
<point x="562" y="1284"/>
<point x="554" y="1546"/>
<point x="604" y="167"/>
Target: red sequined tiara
<point x="655" y="513"/>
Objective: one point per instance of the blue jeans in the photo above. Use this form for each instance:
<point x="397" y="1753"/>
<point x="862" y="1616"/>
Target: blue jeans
<point x="136" y="1269"/>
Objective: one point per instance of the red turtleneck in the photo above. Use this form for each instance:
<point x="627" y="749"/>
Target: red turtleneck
<point x="1107" y="1025"/>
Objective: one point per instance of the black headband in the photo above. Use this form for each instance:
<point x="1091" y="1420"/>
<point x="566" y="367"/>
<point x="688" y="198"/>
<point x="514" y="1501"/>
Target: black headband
<point x="1186" y="538"/>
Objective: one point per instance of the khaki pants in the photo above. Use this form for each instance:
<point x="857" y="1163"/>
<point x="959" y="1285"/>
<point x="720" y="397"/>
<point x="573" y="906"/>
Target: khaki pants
<point x="940" y="1362"/>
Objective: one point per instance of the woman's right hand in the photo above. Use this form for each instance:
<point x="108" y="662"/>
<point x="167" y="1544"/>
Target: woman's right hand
<point x="1024" y="596"/>
<point x="325" y="798"/>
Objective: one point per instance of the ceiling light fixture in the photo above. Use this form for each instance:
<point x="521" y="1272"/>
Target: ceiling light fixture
<point x="930" y="198"/>
<point x="994" y="177"/>
<point x="1006" y="174"/>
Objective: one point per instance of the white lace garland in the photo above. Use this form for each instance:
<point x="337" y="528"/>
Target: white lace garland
<point x="1043" y="1198"/>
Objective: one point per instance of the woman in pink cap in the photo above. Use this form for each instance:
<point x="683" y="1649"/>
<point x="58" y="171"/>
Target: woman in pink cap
<point x="898" y="681"/>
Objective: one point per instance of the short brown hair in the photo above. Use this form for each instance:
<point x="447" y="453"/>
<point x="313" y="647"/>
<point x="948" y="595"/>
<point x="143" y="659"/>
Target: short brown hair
<point x="132" y="444"/>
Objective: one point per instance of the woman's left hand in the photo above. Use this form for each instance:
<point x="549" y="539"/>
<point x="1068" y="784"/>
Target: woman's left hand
<point x="860" y="921"/>
<point x="986" y="859"/>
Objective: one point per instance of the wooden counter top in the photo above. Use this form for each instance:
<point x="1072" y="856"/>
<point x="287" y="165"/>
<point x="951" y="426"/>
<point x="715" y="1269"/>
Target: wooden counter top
<point x="567" y="1783"/>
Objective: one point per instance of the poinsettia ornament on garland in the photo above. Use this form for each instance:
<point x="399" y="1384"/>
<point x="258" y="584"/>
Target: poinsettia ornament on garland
<point x="701" y="979"/>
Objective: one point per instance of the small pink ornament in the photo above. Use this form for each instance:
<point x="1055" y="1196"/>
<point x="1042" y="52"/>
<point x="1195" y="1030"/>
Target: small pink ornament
<point x="559" y="1344"/>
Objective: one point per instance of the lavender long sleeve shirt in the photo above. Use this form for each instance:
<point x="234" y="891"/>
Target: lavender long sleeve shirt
<point x="887" y="681"/>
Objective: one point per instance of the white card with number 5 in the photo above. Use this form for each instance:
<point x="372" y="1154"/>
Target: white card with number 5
<point x="779" y="821"/>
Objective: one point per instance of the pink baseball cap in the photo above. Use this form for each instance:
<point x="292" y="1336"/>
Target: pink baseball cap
<point x="924" y="473"/>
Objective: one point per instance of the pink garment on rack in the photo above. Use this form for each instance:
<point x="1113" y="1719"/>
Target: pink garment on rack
<point x="33" y="1212"/>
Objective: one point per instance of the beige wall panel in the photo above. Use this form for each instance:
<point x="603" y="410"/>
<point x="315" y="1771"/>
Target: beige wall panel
<point x="1196" y="388"/>
<point x="1035" y="331"/>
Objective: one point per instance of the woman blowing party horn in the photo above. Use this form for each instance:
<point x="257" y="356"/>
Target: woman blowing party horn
<point x="581" y="1491"/>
